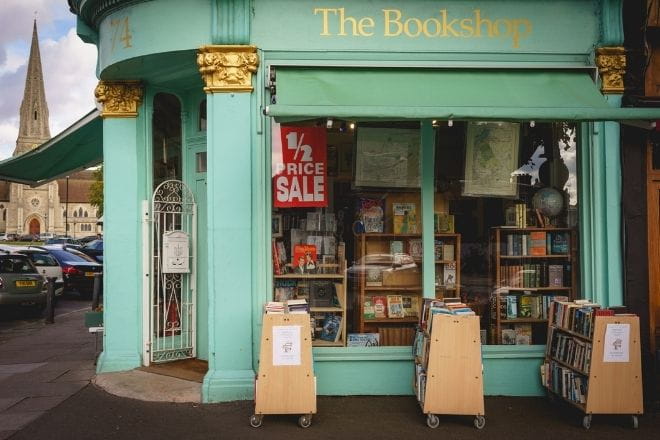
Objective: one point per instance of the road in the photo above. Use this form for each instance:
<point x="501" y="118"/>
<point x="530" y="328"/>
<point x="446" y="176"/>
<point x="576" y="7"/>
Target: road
<point x="15" y="321"/>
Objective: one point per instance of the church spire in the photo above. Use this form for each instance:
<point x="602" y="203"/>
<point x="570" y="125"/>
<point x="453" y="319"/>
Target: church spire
<point x="33" y="129"/>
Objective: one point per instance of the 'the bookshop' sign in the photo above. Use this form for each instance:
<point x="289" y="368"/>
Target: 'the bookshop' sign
<point x="299" y="167"/>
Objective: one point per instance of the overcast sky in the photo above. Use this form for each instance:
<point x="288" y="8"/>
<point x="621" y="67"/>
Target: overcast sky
<point x="68" y="65"/>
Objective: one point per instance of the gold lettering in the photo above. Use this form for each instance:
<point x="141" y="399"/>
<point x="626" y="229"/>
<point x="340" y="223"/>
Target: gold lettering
<point x="364" y="25"/>
<point x="466" y="25"/>
<point x="416" y="22"/>
<point x="447" y="26"/>
<point x="478" y="22"/>
<point x="427" y="27"/>
<point x="389" y="20"/>
<point x="342" y="23"/>
<point x="496" y="27"/>
<point x="325" y="11"/>
<point x="517" y="35"/>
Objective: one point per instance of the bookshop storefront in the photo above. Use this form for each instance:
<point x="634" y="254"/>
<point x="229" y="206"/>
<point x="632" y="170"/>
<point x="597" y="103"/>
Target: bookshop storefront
<point x="363" y="157"/>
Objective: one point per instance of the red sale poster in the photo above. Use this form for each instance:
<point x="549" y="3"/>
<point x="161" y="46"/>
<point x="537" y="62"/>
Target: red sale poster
<point x="299" y="167"/>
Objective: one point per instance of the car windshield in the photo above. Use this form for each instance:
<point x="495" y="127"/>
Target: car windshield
<point x="96" y="245"/>
<point x="16" y="265"/>
<point x="72" y="256"/>
<point x="42" y="259"/>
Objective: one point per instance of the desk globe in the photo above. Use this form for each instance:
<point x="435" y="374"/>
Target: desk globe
<point x="548" y="201"/>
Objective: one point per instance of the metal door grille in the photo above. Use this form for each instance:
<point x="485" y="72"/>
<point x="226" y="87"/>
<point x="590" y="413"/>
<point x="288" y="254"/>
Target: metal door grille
<point x="172" y="295"/>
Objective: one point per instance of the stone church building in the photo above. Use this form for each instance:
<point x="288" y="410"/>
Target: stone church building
<point x="62" y="206"/>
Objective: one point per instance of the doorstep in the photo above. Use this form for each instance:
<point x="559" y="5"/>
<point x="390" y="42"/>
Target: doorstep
<point x="141" y="385"/>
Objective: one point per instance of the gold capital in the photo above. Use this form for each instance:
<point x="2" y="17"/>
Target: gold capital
<point x="611" y="62"/>
<point x="226" y="69"/>
<point x="120" y="99"/>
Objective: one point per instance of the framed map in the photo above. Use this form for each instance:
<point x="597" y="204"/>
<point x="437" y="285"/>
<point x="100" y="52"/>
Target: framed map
<point x="491" y="156"/>
<point x="387" y="157"/>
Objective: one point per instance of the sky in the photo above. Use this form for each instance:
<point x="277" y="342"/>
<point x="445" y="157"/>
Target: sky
<point x="68" y="64"/>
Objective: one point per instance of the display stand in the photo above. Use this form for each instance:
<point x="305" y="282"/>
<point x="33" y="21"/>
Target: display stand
<point x="607" y="368"/>
<point x="452" y="370"/>
<point x="285" y="383"/>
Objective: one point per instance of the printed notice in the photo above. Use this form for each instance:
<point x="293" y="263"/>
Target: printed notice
<point x="617" y="343"/>
<point x="286" y="345"/>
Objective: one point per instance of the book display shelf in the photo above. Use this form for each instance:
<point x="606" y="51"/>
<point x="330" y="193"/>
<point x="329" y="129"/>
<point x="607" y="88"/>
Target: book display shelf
<point x="448" y="368"/>
<point x="285" y="383"/>
<point x="593" y="361"/>
<point x="529" y="268"/>
<point x="388" y="274"/>
<point x="326" y="295"/>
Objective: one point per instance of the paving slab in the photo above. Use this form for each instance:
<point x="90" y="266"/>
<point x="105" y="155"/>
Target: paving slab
<point x="36" y="404"/>
<point x="16" y="421"/>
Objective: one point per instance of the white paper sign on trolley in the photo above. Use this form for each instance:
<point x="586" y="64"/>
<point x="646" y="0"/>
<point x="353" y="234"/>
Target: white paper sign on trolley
<point x="617" y="343"/>
<point x="286" y="345"/>
<point x="176" y="252"/>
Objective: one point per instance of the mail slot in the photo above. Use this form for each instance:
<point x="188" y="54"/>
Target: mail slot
<point x="176" y="252"/>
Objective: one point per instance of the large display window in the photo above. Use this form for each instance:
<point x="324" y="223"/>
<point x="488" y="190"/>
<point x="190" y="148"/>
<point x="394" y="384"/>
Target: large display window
<point x="347" y="225"/>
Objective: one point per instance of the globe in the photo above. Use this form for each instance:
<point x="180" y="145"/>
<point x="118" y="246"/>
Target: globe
<point x="548" y="201"/>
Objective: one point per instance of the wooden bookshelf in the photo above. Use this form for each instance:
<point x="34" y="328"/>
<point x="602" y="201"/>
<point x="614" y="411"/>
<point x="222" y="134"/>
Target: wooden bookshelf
<point x="515" y="271"/>
<point x="609" y="377"/>
<point x="398" y="273"/>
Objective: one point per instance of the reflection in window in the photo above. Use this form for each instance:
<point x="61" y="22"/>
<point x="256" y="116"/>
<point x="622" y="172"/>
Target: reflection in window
<point x="166" y="124"/>
<point x="202" y="116"/>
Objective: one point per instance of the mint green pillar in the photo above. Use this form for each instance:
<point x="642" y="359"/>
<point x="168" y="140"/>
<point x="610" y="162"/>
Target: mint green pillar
<point x="229" y="153"/>
<point x="600" y="212"/>
<point x="122" y="286"/>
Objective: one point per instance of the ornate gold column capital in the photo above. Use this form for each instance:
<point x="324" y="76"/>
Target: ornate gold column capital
<point x="120" y="99"/>
<point x="611" y="62"/>
<point x="226" y="69"/>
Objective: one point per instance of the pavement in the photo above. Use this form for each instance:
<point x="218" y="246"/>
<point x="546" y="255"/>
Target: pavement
<point x="49" y="390"/>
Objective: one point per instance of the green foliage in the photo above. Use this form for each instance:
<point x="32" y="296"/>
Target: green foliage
<point x="96" y="191"/>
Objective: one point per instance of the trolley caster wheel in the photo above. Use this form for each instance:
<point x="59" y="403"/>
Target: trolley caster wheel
<point x="586" y="421"/>
<point x="305" y="421"/>
<point x="255" y="420"/>
<point x="432" y="421"/>
<point x="635" y="422"/>
<point x="479" y="422"/>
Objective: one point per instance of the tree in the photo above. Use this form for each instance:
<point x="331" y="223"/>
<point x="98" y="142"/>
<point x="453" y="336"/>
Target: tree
<point x="96" y="191"/>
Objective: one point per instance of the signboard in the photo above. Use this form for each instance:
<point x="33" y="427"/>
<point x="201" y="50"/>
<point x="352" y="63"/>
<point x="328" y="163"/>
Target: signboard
<point x="299" y="167"/>
<point x="176" y="252"/>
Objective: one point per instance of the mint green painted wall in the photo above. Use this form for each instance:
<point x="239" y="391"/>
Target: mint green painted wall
<point x="122" y="284"/>
<point x="564" y="26"/>
<point x="231" y="375"/>
<point x="153" y="27"/>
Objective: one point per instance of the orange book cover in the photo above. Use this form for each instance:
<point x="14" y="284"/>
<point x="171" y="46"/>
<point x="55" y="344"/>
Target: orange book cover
<point x="538" y="243"/>
<point x="304" y="258"/>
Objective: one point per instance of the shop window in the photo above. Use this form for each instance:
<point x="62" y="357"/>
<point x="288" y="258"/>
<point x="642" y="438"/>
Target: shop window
<point x="510" y="191"/>
<point x="202" y="116"/>
<point x="166" y="125"/>
<point x="347" y="228"/>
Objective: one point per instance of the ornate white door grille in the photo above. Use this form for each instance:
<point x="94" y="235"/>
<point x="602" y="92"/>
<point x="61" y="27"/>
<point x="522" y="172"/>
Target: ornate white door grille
<point x="172" y="295"/>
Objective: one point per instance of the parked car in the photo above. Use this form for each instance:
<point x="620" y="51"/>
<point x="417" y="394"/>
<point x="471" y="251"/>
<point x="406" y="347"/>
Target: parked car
<point x="8" y="236"/>
<point x="46" y="236"/>
<point x="45" y="263"/>
<point x="63" y="240"/>
<point x="78" y="269"/>
<point x="94" y="249"/>
<point x="88" y="238"/>
<point x="27" y="237"/>
<point x="20" y="283"/>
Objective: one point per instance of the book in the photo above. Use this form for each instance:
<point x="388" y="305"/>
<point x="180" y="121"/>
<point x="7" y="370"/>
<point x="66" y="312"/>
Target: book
<point x="511" y="307"/>
<point x="555" y="275"/>
<point x="404" y="218"/>
<point x="523" y="334"/>
<point x="443" y="223"/>
<point x="395" y="306"/>
<point x="449" y="274"/>
<point x="415" y="248"/>
<point x="285" y="290"/>
<point x="363" y="340"/>
<point x="304" y="258"/>
<point x="380" y="306"/>
<point x="314" y="221"/>
<point x="559" y="243"/>
<point x="396" y="247"/>
<point x="410" y="306"/>
<point x="369" y="310"/>
<point x="448" y="252"/>
<point x="508" y="336"/>
<point x="370" y="213"/>
<point x="331" y="326"/>
<point x="437" y="250"/>
<point x="525" y="306"/>
<point x="537" y="245"/>
<point x="374" y="277"/>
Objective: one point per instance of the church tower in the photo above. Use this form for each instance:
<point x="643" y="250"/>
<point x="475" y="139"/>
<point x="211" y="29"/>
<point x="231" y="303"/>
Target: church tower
<point x="33" y="129"/>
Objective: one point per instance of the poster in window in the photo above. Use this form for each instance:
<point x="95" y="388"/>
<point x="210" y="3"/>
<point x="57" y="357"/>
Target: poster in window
<point x="387" y="157"/>
<point x="491" y="156"/>
<point x="299" y="166"/>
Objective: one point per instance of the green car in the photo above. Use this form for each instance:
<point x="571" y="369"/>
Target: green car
<point x="20" y="283"/>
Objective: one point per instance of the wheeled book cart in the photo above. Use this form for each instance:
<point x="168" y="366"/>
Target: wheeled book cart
<point x="453" y="372"/>
<point x="607" y="370"/>
<point x="285" y="383"/>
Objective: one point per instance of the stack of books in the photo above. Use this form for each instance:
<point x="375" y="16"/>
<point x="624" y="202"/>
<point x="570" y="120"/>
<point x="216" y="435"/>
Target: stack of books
<point x="297" y="306"/>
<point x="274" y="307"/>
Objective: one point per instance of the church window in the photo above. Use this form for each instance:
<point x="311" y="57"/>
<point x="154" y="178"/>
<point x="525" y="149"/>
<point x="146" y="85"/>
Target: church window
<point x="4" y="215"/>
<point x="80" y="212"/>
<point x="166" y="132"/>
<point x="86" y="214"/>
<point x="35" y="115"/>
<point x="34" y="202"/>
<point x="75" y="213"/>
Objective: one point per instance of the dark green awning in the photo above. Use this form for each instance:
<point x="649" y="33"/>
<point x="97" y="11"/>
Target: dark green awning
<point x="304" y="93"/>
<point x="78" y="147"/>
